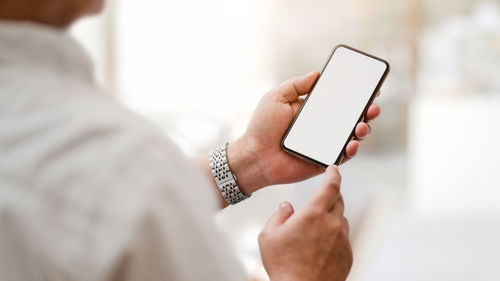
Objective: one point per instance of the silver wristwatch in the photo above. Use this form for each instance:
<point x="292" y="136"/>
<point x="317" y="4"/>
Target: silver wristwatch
<point x="224" y="177"/>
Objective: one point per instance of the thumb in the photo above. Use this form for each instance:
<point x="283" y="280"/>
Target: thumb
<point x="291" y="89"/>
<point x="284" y="211"/>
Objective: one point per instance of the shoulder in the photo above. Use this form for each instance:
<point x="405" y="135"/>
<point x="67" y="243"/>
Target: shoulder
<point x="69" y="131"/>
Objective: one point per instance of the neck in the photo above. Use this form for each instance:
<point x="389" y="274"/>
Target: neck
<point x="44" y="12"/>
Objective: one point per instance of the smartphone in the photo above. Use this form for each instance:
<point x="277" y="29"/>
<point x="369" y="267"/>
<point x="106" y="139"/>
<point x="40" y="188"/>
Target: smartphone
<point x="338" y="101"/>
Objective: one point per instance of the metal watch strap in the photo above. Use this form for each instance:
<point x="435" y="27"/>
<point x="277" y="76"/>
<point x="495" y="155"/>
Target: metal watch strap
<point x="224" y="177"/>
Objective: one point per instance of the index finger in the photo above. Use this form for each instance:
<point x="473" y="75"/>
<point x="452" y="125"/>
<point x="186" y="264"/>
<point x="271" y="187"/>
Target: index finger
<point x="329" y="191"/>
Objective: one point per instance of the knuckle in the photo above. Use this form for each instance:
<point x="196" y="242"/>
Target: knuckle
<point x="334" y="184"/>
<point x="341" y="202"/>
<point x="333" y="180"/>
<point x="337" y="225"/>
<point x="313" y="214"/>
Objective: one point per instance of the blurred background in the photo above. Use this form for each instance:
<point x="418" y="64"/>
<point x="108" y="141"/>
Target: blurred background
<point x="423" y="193"/>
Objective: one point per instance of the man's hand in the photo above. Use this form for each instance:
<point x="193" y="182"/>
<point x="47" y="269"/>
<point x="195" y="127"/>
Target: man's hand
<point x="312" y="244"/>
<point x="257" y="157"/>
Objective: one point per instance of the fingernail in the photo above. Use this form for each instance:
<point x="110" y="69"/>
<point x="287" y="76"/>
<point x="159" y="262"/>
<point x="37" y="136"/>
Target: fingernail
<point x="283" y="205"/>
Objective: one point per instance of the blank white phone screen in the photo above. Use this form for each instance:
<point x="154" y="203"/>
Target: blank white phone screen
<point x="336" y="103"/>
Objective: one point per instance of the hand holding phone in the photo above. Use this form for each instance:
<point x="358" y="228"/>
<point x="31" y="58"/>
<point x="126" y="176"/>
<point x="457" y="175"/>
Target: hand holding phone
<point x="257" y="157"/>
<point x="339" y="100"/>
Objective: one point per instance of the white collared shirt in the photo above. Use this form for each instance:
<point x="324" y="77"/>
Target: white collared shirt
<point x="88" y="190"/>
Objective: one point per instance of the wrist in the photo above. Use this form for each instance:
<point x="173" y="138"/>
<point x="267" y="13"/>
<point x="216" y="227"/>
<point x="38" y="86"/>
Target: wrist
<point x="243" y="161"/>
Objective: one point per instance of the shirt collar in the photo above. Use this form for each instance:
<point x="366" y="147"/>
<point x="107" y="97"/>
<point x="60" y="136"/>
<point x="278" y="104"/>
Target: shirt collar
<point x="33" y="45"/>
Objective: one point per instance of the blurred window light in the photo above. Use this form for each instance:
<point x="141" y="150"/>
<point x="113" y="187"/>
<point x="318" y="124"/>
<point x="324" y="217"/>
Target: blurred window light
<point x="178" y="56"/>
<point x="194" y="59"/>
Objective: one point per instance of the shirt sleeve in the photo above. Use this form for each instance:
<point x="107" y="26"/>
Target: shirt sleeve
<point x="170" y="234"/>
<point x="173" y="235"/>
<point x="108" y="198"/>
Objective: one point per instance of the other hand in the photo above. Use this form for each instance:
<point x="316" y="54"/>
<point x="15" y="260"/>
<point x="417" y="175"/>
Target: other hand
<point x="312" y="244"/>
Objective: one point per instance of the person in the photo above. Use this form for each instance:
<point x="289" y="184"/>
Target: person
<point x="90" y="191"/>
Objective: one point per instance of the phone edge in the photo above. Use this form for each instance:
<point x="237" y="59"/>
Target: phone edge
<point x="360" y="119"/>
